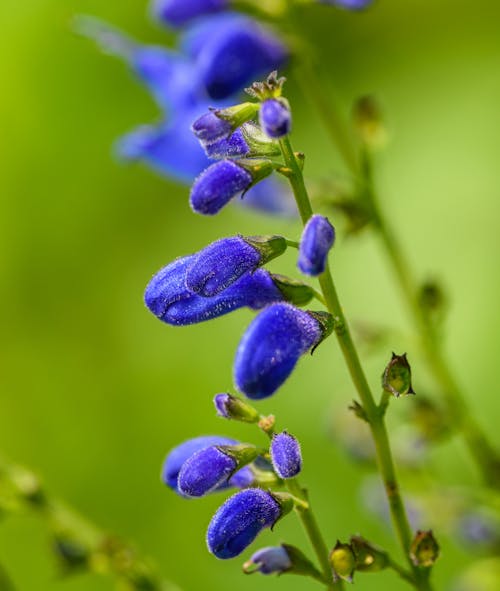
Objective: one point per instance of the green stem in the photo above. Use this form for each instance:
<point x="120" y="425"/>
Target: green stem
<point x="311" y="527"/>
<point x="480" y="448"/>
<point x="373" y="414"/>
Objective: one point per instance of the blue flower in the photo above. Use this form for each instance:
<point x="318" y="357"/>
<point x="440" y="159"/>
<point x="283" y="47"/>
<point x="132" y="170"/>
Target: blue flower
<point x="217" y="185"/>
<point x="275" y="117"/>
<point x="239" y="520"/>
<point x="169" y="148"/>
<point x="178" y="455"/>
<point x="271" y="347"/>
<point x="168" y="298"/>
<point x="286" y="455"/>
<point x="317" y="240"/>
<point x="270" y="560"/>
<point x="205" y="471"/>
<point x="221" y="263"/>
<point x="230" y="51"/>
<point x="234" y="146"/>
<point x="178" y="13"/>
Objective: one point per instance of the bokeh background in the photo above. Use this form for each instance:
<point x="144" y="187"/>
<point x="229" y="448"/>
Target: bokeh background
<point x="94" y="390"/>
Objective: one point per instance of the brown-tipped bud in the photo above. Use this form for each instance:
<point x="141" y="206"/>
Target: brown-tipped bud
<point x="424" y="550"/>
<point x="369" y="558"/>
<point x="368" y="122"/>
<point x="396" y="378"/>
<point x="343" y="561"/>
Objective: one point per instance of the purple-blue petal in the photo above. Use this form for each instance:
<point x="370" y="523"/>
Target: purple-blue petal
<point x="220" y="264"/>
<point x="217" y="185"/>
<point x="233" y="146"/>
<point x="177" y="13"/>
<point x="275" y="118"/>
<point x="205" y="471"/>
<point x="286" y="455"/>
<point x="271" y="347"/>
<point x="317" y="239"/>
<point x="179" y="454"/>
<point x="239" y="520"/>
<point x="231" y="52"/>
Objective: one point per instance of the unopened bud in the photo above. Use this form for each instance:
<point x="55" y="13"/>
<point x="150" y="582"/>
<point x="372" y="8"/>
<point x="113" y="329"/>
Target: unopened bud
<point x="396" y="378"/>
<point x="424" y="550"/>
<point x="231" y="407"/>
<point x="367" y="118"/>
<point x="343" y="561"/>
<point x="369" y="558"/>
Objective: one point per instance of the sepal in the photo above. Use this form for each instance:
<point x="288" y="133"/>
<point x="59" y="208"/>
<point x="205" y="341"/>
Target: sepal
<point x="343" y="562"/>
<point x="424" y="550"/>
<point x="396" y="378"/>
<point x="294" y="291"/>
<point x="231" y="407"/>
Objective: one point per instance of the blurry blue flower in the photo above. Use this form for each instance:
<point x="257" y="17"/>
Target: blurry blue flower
<point x="217" y="185"/>
<point x="350" y="4"/>
<point x="317" y="239"/>
<point x="239" y="520"/>
<point x="275" y="117"/>
<point x="177" y="13"/>
<point x="271" y="196"/>
<point x="479" y="528"/>
<point x="169" y="299"/>
<point x="169" y="148"/>
<point x="230" y="51"/>
<point x="205" y="471"/>
<point x="270" y="560"/>
<point x="178" y="455"/>
<point x="286" y="455"/>
<point x="271" y="347"/>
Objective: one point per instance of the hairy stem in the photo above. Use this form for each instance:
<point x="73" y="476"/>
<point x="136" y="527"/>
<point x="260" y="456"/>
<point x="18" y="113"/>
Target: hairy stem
<point x="374" y="416"/>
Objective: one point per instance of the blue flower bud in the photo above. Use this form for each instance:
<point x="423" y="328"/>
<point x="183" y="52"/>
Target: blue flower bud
<point x="275" y="117"/>
<point x="168" y="298"/>
<point x="271" y="347"/>
<point x="231" y="51"/>
<point x="285" y="455"/>
<point x="350" y="4"/>
<point x="209" y="128"/>
<point x="178" y="455"/>
<point x="205" y="471"/>
<point x="270" y="560"/>
<point x="317" y="240"/>
<point x="217" y="185"/>
<point x="177" y="13"/>
<point x="239" y="520"/>
<point x="231" y="407"/>
<point x="221" y="263"/>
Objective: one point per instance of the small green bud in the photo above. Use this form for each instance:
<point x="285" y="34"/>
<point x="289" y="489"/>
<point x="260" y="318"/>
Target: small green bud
<point x="369" y="558"/>
<point x="368" y="122"/>
<point x="231" y="407"/>
<point x="343" y="561"/>
<point x="396" y="378"/>
<point x="295" y="292"/>
<point x="424" y="550"/>
<point x="269" y="247"/>
<point x="238" y="114"/>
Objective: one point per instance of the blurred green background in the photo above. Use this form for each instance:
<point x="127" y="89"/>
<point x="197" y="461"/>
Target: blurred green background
<point x="94" y="390"/>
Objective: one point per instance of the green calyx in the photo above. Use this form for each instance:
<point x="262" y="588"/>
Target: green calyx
<point x="258" y="169"/>
<point x="294" y="291"/>
<point x="258" y="142"/>
<point x="396" y="378"/>
<point x="424" y="550"/>
<point x="269" y="247"/>
<point x="369" y="558"/>
<point x="343" y="561"/>
<point x="326" y="323"/>
<point x="270" y="88"/>
<point x="242" y="453"/>
<point x="238" y="114"/>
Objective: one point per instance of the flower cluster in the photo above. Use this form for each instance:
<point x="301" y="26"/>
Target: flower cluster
<point x="218" y="53"/>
